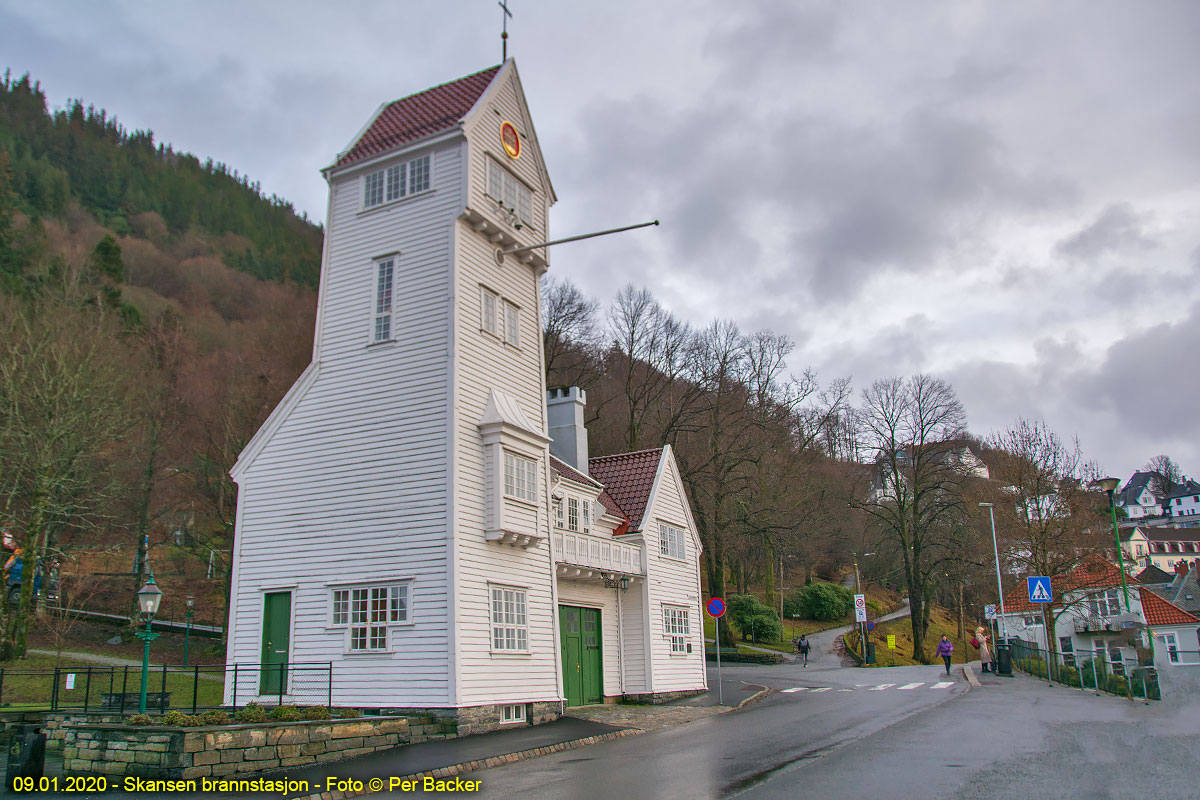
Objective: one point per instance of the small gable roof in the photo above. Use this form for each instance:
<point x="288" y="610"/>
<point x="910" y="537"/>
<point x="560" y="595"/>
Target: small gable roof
<point x="628" y="479"/>
<point x="419" y="115"/>
<point x="1160" y="611"/>
<point x="1153" y="574"/>
<point x="1183" y="489"/>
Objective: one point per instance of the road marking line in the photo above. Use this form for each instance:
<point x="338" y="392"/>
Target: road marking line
<point x="911" y="685"/>
<point x="845" y="690"/>
<point x="795" y="689"/>
<point x="822" y="689"/>
<point x="881" y="687"/>
<point x="942" y="685"/>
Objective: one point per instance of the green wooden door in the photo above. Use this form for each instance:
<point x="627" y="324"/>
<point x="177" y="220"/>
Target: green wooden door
<point x="277" y="623"/>
<point x="582" y="667"/>
<point x="593" y="668"/>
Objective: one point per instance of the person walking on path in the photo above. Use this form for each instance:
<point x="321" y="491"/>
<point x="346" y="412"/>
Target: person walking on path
<point x="985" y="652"/>
<point x="803" y="646"/>
<point x="945" y="649"/>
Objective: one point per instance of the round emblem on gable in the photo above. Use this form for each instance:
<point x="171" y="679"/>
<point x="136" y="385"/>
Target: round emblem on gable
<point x="510" y="139"/>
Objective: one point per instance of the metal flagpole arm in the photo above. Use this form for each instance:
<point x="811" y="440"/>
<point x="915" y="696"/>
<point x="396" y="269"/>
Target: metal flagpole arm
<point x="527" y="248"/>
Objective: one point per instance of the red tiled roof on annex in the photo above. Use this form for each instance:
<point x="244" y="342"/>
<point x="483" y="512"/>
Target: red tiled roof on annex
<point x="1160" y="611"/>
<point x="1096" y="574"/>
<point x="420" y="115"/>
<point x="628" y="479"/>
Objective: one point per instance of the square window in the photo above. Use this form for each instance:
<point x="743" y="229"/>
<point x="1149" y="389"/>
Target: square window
<point x="418" y="175"/>
<point x="514" y="196"/>
<point x="676" y="628"/>
<point x="511" y="714"/>
<point x="397" y="180"/>
<point x="520" y="477"/>
<point x="373" y="189"/>
<point x="671" y="541"/>
<point x="366" y="612"/>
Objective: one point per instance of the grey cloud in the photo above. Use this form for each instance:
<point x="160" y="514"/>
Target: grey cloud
<point x="1118" y="228"/>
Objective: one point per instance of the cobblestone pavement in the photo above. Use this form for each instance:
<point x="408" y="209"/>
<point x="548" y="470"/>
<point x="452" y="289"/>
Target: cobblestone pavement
<point x="644" y="718"/>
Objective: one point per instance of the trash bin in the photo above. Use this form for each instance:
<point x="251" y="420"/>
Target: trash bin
<point x="870" y="652"/>
<point x="26" y="756"/>
<point x="1004" y="659"/>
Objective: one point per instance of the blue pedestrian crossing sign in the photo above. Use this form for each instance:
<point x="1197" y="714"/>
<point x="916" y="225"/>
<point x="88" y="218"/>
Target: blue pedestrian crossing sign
<point x="1039" y="589"/>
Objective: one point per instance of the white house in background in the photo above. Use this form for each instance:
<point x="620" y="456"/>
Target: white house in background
<point x="1097" y="624"/>
<point x="1137" y="497"/>
<point x="398" y="513"/>
<point x="1183" y="502"/>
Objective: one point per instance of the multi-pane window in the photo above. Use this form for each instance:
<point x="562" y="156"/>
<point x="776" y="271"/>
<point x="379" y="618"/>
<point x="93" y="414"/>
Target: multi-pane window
<point x="1105" y="604"/>
<point x="1066" y="646"/>
<point x="558" y="513"/>
<point x="585" y="515"/>
<point x="490" y="321"/>
<point x="511" y="714"/>
<point x="670" y="541"/>
<point x="520" y="477"/>
<point x="572" y="513"/>
<point x="512" y="325"/>
<point x="509" y="630"/>
<point x="385" y="273"/>
<point x="367" y="611"/>
<point x="1172" y="645"/>
<point x="396" y="181"/>
<point x="510" y="192"/>
<point x="675" y="627"/>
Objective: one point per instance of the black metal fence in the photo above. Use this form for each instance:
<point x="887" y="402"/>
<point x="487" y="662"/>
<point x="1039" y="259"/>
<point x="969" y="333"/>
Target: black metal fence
<point x="192" y="688"/>
<point x="1112" y="669"/>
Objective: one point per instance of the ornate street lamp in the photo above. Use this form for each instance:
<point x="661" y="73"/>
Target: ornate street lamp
<point x="187" y="632"/>
<point x="149" y="598"/>
<point x="1109" y="486"/>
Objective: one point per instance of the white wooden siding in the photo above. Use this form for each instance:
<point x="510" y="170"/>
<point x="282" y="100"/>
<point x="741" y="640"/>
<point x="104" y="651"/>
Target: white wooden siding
<point x="673" y="582"/>
<point x="352" y="484"/>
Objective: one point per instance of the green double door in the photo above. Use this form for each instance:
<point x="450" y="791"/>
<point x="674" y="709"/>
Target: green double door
<point x="583" y="670"/>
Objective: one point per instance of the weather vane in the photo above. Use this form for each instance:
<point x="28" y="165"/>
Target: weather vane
<point x="504" y="33"/>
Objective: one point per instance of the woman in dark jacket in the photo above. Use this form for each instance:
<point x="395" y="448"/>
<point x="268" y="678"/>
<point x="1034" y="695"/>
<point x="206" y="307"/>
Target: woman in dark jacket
<point x="945" y="648"/>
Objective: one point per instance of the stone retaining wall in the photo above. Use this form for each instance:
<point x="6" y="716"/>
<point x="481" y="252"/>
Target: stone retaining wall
<point x="182" y="753"/>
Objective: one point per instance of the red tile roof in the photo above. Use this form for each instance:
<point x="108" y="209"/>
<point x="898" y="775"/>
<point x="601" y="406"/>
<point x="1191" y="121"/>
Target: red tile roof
<point x="420" y="115"/>
<point x="572" y="474"/>
<point x="628" y="479"/>
<point x="1160" y="611"/>
<point x="1095" y="574"/>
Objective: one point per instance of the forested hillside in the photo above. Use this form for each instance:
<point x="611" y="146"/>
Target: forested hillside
<point x="153" y="310"/>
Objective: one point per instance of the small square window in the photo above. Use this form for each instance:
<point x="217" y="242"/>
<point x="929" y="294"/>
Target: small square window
<point x="509" y="630"/>
<point x="676" y="628"/>
<point x="671" y="541"/>
<point x="520" y="477"/>
<point x="512" y="714"/>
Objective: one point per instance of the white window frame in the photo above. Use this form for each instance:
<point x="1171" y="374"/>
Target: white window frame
<point x="1105" y="604"/>
<point x="489" y="311"/>
<point x="397" y="181"/>
<point x="352" y="608"/>
<point x="520" y="477"/>
<point x="508" y="612"/>
<point x="559" y="521"/>
<point x="573" y="513"/>
<point x="585" y="514"/>
<point x="677" y="628"/>
<point x="672" y="541"/>
<point x="512" y="714"/>
<point x="1171" y="642"/>
<point x="512" y="324"/>
<point x="510" y="192"/>
<point x="383" y="300"/>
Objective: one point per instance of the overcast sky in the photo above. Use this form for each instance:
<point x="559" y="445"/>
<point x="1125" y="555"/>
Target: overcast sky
<point x="1004" y="195"/>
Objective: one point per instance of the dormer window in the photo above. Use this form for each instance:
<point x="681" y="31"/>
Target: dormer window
<point x="395" y="182"/>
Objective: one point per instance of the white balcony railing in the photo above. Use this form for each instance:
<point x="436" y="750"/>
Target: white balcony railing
<point x="597" y="552"/>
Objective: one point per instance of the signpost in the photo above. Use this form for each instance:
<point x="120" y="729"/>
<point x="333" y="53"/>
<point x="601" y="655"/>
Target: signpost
<point x="860" y="607"/>
<point x="891" y="641"/>
<point x="989" y="612"/>
<point x="716" y="609"/>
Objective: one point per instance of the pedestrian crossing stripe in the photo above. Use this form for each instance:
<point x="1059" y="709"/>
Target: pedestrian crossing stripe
<point x="845" y="690"/>
<point x="881" y="687"/>
<point x="877" y="688"/>
<point x="942" y="685"/>
<point x="822" y="689"/>
<point x="911" y="685"/>
<point x="795" y="689"/>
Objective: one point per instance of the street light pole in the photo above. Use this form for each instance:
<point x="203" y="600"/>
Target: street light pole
<point x="999" y="584"/>
<point x="1109" y="485"/>
<point x="187" y="632"/>
<point x="149" y="597"/>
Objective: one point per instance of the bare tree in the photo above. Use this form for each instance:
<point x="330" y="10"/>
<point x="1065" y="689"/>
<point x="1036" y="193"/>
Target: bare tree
<point x="1165" y="475"/>
<point x="570" y="334"/>
<point x="915" y="425"/>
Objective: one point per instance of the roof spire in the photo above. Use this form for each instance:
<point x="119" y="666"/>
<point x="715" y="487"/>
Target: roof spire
<point x="504" y="33"/>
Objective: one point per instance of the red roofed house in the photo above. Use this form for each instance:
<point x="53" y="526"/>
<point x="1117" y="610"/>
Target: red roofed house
<point x="398" y="513"/>
<point x="1091" y="618"/>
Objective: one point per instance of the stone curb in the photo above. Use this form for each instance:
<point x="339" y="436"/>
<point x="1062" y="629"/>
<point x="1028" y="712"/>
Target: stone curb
<point x="492" y="761"/>
<point x="969" y="674"/>
<point x="756" y="696"/>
